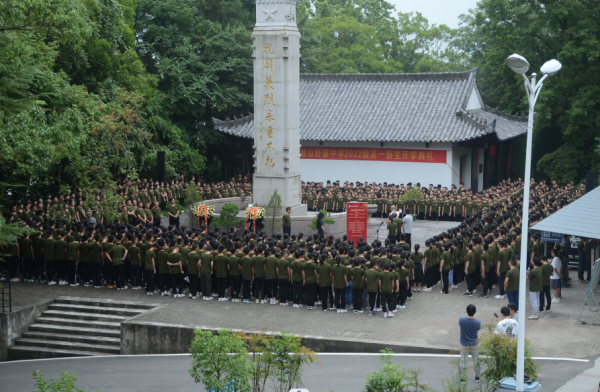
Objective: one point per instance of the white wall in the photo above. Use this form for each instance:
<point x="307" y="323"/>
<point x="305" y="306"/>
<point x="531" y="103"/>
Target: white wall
<point x="321" y="170"/>
<point x="457" y="152"/>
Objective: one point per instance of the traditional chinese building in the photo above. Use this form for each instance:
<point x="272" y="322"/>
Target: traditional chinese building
<point x="430" y="128"/>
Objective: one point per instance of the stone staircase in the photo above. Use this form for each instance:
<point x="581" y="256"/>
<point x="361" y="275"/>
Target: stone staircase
<point x="75" y="327"/>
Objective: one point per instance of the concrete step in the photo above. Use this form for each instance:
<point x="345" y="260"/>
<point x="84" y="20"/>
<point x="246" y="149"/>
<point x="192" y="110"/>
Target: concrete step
<point x="78" y="330"/>
<point x="96" y="309"/>
<point x="79" y="323"/>
<point x="69" y="345"/>
<point x="16" y="353"/>
<point x="66" y="337"/>
<point x="103" y="303"/>
<point x="83" y="316"/>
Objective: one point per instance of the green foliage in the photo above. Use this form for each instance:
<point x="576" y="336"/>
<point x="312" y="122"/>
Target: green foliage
<point x="326" y="219"/>
<point x="568" y="109"/>
<point x="11" y="232"/>
<point x="261" y="359"/>
<point x="228" y="216"/>
<point x="288" y="358"/>
<point x="75" y="102"/>
<point x="273" y="213"/>
<point x="361" y="36"/>
<point x="199" y="44"/>
<point x="64" y="383"/>
<point x="411" y="196"/>
<point x="455" y="383"/>
<point x="219" y="359"/>
<point x="392" y="378"/>
<point x="498" y="354"/>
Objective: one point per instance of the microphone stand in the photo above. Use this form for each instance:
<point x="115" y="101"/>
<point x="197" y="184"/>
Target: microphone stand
<point x="377" y="232"/>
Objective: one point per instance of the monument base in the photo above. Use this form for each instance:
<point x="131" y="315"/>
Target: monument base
<point x="299" y="210"/>
<point x="300" y="224"/>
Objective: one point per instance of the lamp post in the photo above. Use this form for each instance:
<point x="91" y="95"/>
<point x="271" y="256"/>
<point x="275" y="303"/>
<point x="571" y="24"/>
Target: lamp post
<point x="520" y="65"/>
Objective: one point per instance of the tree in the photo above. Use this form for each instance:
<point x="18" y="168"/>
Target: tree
<point x="288" y="357"/>
<point x="273" y="213"/>
<point x="568" y="109"/>
<point x="220" y="359"/>
<point x="227" y="216"/>
<point x="10" y="233"/>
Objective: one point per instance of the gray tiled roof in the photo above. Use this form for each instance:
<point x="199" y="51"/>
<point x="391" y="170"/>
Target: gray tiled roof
<point x="390" y="107"/>
<point x="579" y="218"/>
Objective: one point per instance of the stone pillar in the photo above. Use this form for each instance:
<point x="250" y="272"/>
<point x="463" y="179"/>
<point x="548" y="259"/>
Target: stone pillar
<point x="276" y="52"/>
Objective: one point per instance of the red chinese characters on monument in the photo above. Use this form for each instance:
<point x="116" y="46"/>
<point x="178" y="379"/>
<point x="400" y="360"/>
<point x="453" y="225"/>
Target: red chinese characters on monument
<point x="356" y="222"/>
<point x="373" y="154"/>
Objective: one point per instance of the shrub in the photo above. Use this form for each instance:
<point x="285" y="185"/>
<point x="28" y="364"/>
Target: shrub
<point x="326" y="220"/>
<point x="228" y="216"/>
<point x="498" y="354"/>
<point x="392" y="378"/>
<point x="64" y="383"/>
<point x="220" y="359"/>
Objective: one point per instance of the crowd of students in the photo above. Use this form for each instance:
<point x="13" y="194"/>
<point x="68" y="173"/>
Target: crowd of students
<point x="336" y="274"/>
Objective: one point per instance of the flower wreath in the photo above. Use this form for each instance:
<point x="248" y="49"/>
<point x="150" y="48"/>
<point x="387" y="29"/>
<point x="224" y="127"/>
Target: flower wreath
<point x="254" y="213"/>
<point x="204" y="211"/>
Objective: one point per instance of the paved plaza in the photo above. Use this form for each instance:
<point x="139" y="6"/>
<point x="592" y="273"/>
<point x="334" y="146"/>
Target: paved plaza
<point x="429" y="320"/>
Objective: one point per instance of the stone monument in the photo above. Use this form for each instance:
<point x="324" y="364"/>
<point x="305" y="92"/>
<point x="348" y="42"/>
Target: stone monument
<point x="276" y="53"/>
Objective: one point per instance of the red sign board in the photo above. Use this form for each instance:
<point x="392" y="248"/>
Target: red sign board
<point x="356" y="222"/>
<point x="373" y="154"/>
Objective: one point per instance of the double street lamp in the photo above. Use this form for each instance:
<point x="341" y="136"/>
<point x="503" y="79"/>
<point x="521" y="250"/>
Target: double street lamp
<point x="520" y="65"/>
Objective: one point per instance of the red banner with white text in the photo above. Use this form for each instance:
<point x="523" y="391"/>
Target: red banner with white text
<point x="373" y="154"/>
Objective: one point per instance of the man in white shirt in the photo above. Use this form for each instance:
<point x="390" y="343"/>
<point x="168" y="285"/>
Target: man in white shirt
<point x="556" y="275"/>
<point x="407" y="226"/>
<point x="507" y="325"/>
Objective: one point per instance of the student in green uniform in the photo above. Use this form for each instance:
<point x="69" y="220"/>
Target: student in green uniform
<point x="246" y="265"/>
<point x="403" y="278"/>
<point x="418" y="274"/>
<point x="325" y="278"/>
<point x="235" y="278"/>
<point x="258" y="265"/>
<point x="206" y="271"/>
<point x="511" y="282"/>
<point x="97" y="261"/>
<point x="193" y="261"/>
<point x="372" y="281"/>
<point x="163" y="269"/>
<point x="309" y="280"/>
<point x="221" y="269"/>
<point x="50" y="256"/>
<point x="547" y="270"/>
<point x="446" y="266"/>
<point x="26" y="249"/>
<point x="150" y="269"/>
<point x="536" y="285"/>
<point x="173" y="211"/>
<point x="117" y="255"/>
<point x="470" y="270"/>
<point x="271" y="276"/>
<point x="175" y="272"/>
<point x="135" y="262"/>
<point x="297" y="267"/>
<point x="358" y="285"/>
<point x="284" y="277"/>
<point x="60" y="250"/>
<point x="340" y="283"/>
<point x="386" y="285"/>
